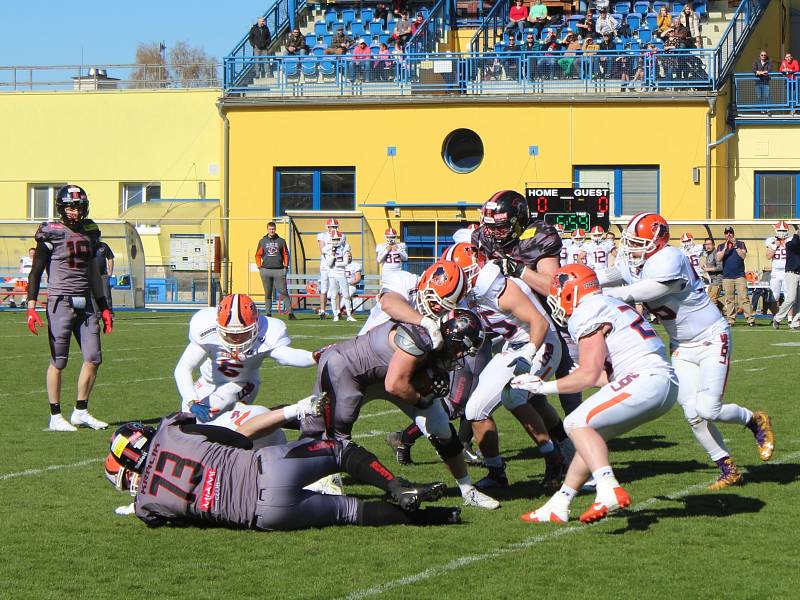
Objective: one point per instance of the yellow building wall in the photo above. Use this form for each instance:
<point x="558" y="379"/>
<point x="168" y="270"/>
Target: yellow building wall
<point x="101" y="139"/>
<point x="566" y="135"/>
<point x="772" y="34"/>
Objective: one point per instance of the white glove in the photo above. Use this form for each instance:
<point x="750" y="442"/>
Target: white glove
<point x="529" y="382"/>
<point x="124" y="510"/>
<point x="312" y="406"/>
<point x="432" y="327"/>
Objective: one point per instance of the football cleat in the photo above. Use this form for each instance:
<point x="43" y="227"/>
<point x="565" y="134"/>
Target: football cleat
<point x="472" y="457"/>
<point x="312" y="406"/>
<point x="335" y="317"/>
<point x="330" y="485"/>
<point x="765" y="437"/>
<point x="602" y="508"/>
<point x="555" y="470"/>
<point x="408" y="496"/>
<point x="474" y="497"/>
<point x="59" y="423"/>
<point x="551" y="512"/>
<point x="496" y="478"/>
<point x="82" y="418"/>
<point x="775" y="325"/>
<point x="351" y="318"/>
<point x="402" y="452"/>
<point x="730" y="476"/>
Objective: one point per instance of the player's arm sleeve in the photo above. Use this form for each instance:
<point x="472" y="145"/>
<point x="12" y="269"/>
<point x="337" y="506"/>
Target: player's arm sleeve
<point x="381" y="250"/>
<point x="191" y="359"/>
<point x="218" y="435"/>
<point x="40" y="259"/>
<point x="292" y="357"/>
<point x="259" y="255"/>
<point x="396" y="306"/>
<point x="646" y="290"/>
<point x="610" y="277"/>
<point x="285" y="254"/>
<point x="96" y="284"/>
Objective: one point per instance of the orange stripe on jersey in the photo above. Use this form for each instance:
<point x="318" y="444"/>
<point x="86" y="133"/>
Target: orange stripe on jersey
<point x="607" y="404"/>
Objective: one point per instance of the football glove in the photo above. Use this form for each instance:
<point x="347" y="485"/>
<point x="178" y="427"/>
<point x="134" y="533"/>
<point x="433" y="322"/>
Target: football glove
<point x="510" y="267"/>
<point x="312" y="406"/>
<point x="201" y="412"/>
<point x="108" y="320"/>
<point x="529" y="382"/>
<point x="34" y="321"/>
<point x="432" y="327"/>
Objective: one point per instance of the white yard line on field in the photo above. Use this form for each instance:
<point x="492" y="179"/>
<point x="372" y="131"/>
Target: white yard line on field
<point x="101" y="384"/>
<point x="30" y="472"/>
<point x="463" y="561"/>
<point x="768" y="356"/>
<point x="105" y="351"/>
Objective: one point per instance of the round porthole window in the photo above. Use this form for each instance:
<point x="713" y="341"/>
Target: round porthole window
<point x="462" y="151"/>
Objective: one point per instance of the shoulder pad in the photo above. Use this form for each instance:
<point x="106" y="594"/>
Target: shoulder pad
<point x="50" y="230"/>
<point x="413" y="339"/>
<point x="538" y="241"/>
<point x="272" y="334"/>
<point x="203" y="325"/>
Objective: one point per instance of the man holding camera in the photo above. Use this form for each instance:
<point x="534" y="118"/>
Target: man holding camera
<point x="734" y="285"/>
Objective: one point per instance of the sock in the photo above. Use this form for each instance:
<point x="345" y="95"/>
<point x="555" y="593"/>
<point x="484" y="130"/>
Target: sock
<point x="721" y="461"/>
<point x="565" y="495"/>
<point x="737" y="415"/>
<point x="465" y="431"/>
<point x="557" y="433"/>
<point x="373" y="514"/>
<point x="751" y="424"/>
<point x="547" y="448"/>
<point x="82" y="404"/>
<point x="55" y="409"/>
<point x="365" y="466"/>
<point x="410" y="434"/>
<point x="604" y="476"/>
<point x="494" y="462"/>
<point x="464" y="484"/>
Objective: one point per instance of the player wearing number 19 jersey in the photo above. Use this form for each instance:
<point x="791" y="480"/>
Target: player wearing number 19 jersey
<point x="661" y="277"/>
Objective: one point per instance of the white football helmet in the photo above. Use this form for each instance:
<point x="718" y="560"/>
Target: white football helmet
<point x="781" y="230"/>
<point x="687" y="241"/>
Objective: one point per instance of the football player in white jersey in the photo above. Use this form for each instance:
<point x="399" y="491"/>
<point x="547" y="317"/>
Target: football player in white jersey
<point x="641" y="386"/>
<point x="597" y="251"/>
<point x="392" y="253"/>
<point x="694" y="252"/>
<point x="566" y="242"/>
<point x="354" y="274"/>
<point x="323" y="239"/>
<point x="575" y="251"/>
<point x="776" y="252"/>
<point x="228" y="345"/>
<point x="506" y="307"/>
<point x="464" y="234"/>
<point x="335" y="255"/>
<point x="660" y="276"/>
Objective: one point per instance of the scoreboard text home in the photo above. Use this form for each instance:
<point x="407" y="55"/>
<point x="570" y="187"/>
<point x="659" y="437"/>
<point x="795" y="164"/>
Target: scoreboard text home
<point x="573" y="208"/>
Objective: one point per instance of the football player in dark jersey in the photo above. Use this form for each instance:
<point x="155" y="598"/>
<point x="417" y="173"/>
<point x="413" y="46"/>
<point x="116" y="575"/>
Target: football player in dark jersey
<point x="187" y="472"/>
<point x="76" y="302"/>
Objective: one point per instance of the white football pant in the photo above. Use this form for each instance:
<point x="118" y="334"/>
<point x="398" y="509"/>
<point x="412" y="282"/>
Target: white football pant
<point x="338" y="284"/>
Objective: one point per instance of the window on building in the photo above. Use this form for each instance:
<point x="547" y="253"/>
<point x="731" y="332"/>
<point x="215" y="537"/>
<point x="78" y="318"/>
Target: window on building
<point x="42" y="201"/>
<point x="323" y="188"/>
<point x="426" y="240"/>
<point x="132" y="194"/>
<point x="777" y="195"/>
<point x="633" y="189"/>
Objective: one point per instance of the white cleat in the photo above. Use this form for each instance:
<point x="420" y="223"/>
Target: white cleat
<point x="59" y="423"/>
<point x="475" y="497"/>
<point x="330" y="485"/>
<point x="551" y="512"/>
<point x="124" y="510"/>
<point x="351" y="318"/>
<point x="82" y="418"/>
<point x="335" y="317"/>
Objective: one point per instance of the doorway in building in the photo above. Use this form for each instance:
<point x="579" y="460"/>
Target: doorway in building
<point x="425" y="241"/>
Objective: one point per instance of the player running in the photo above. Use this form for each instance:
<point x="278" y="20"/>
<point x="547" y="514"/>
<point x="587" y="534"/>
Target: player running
<point x="661" y="277"/>
<point x="186" y="473"/>
<point x="229" y="344"/>
<point x="641" y="386"/>
<point x="391" y="254"/>
<point x="66" y="249"/>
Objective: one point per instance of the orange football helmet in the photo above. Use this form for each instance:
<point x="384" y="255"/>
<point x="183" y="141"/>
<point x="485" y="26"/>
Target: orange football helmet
<point x="468" y="257"/>
<point x="644" y="235"/>
<point x="237" y="323"/>
<point x="781" y="230"/>
<point x="390" y="235"/>
<point x="578" y="236"/>
<point x="687" y="241"/>
<point x="332" y="223"/>
<point x="441" y="287"/>
<point x="125" y="480"/>
<point x="597" y="233"/>
<point x="570" y="285"/>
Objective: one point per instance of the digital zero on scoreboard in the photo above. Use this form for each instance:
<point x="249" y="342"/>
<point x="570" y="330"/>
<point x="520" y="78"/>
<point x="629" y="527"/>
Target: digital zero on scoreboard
<point x="572" y="208"/>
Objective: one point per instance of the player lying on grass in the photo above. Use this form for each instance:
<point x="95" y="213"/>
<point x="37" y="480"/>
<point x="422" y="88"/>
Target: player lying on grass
<point x="641" y="386"/>
<point x="189" y="473"/>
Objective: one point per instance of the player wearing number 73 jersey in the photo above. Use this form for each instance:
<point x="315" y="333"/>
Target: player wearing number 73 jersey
<point x="661" y="277"/>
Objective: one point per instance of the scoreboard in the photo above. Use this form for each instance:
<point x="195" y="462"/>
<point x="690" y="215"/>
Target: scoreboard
<point x="572" y="208"/>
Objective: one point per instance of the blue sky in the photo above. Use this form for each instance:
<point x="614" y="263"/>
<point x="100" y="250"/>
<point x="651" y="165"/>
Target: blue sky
<point x="51" y="32"/>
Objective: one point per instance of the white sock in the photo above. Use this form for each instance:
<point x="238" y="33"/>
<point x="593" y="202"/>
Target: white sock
<point x="565" y="495"/>
<point x="733" y="413"/>
<point x="604" y="476"/>
<point x="547" y="447"/>
<point x="464" y="484"/>
<point x="495" y="462"/>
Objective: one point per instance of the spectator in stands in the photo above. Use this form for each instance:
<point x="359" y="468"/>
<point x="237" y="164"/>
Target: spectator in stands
<point x="261" y="39"/>
<point x="382" y="67"/>
<point x="517" y="17"/>
<point x="663" y="21"/>
<point x="402" y="30"/>
<point x="676" y="36"/>
<point x="530" y="46"/>
<point x="761" y="68"/>
<point x="361" y="60"/>
<point x="381" y="14"/>
<point x="400" y="7"/>
<point x="602" y="65"/>
<point x="789" y="66"/>
<point x="340" y="43"/>
<point x="296" y="43"/>
<point x="26" y="262"/>
<point x="419" y="20"/>
<point x="537" y="16"/>
<point x="511" y="62"/>
<point x="567" y="62"/>
<point x="713" y="269"/>
<point x="606" y="23"/>
<point x="547" y="64"/>
<point x="272" y="260"/>
<point x="588" y="26"/>
<point x="623" y="65"/>
<point x="691" y="20"/>
<point x="791" y="284"/>
<point x="732" y="254"/>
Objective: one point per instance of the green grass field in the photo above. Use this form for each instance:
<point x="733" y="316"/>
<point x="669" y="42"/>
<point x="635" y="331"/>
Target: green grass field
<point x="61" y="539"/>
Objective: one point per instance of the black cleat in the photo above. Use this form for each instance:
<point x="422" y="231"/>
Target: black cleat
<point x="402" y="452"/>
<point x="437" y="515"/>
<point x="408" y="496"/>
<point x="292" y="317"/>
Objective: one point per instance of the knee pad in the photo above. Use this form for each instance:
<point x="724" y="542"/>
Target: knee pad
<point x="513" y="398"/>
<point x="447" y="448"/>
<point x="708" y="407"/>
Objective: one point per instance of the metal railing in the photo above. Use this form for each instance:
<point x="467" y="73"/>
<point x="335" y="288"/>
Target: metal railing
<point x="484" y="73"/>
<point x="780" y="93"/>
<point x="432" y="30"/>
<point x="735" y="35"/>
<point x="110" y="77"/>
<point x="491" y="27"/>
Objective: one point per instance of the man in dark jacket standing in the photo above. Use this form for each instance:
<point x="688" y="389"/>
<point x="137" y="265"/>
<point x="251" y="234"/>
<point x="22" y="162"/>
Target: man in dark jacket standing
<point x="731" y="254"/>
<point x="791" y="283"/>
<point x="761" y="68"/>
<point x="272" y="258"/>
<point x="261" y="39"/>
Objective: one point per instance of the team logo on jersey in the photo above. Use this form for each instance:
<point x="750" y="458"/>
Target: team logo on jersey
<point x="209" y="490"/>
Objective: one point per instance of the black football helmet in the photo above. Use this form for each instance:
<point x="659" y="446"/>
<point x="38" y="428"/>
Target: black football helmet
<point x="463" y="336"/>
<point x="505" y="216"/>
<point x="130" y="445"/>
<point x="72" y="196"/>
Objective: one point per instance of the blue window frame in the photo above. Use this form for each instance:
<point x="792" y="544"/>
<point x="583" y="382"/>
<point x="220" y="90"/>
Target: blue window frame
<point x="634" y="189"/>
<point x="777" y="195"/>
<point x="314" y="188"/>
<point x="426" y="240"/>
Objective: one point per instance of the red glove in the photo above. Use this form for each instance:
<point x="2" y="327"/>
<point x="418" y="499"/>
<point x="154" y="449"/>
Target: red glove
<point x="108" y="320"/>
<point x="34" y="321"/>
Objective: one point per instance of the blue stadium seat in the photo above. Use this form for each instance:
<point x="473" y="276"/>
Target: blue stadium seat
<point x="375" y="28"/>
<point x="677" y="7"/>
<point x="641" y="7"/>
<point x="657" y="6"/>
<point x="327" y="39"/>
<point x="425" y="12"/>
<point x="291" y="68"/>
<point x="652" y="21"/>
<point x="572" y="22"/>
<point x="348" y="16"/>
<point x="332" y="20"/>
<point x="645" y="35"/>
<point x="311" y="40"/>
<point x="366" y="15"/>
<point x="318" y="51"/>
<point x="385" y="38"/>
<point x="357" y="29"/>
<point x="619" y="18"/>
<point x="309" y="66"/>
<point x="320" y="28"/>
<point x="327" y="66"/>
<point x="634" y="21"/>
<point x="701" y="8"/>
<point x="622" y="8"/>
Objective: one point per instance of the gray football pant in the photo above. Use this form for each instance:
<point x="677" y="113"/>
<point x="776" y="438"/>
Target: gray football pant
<point x="274" y="278"/>
<point x="284" y="471"/>
<point x="63" y="322"/>
<point x="107" y="290"/>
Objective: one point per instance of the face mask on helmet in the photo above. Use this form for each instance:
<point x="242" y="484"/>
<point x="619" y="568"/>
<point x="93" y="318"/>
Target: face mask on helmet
<point x="124" y="480"/>
<point x="781" y="231"/>
<point x="687" y="241"/>
<point x="441" y="287"/>
<point x="463" y="336"/>
<point x="72" y="205"/>
<point x="130" y="445"/>
<point x="645" y="234"/>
